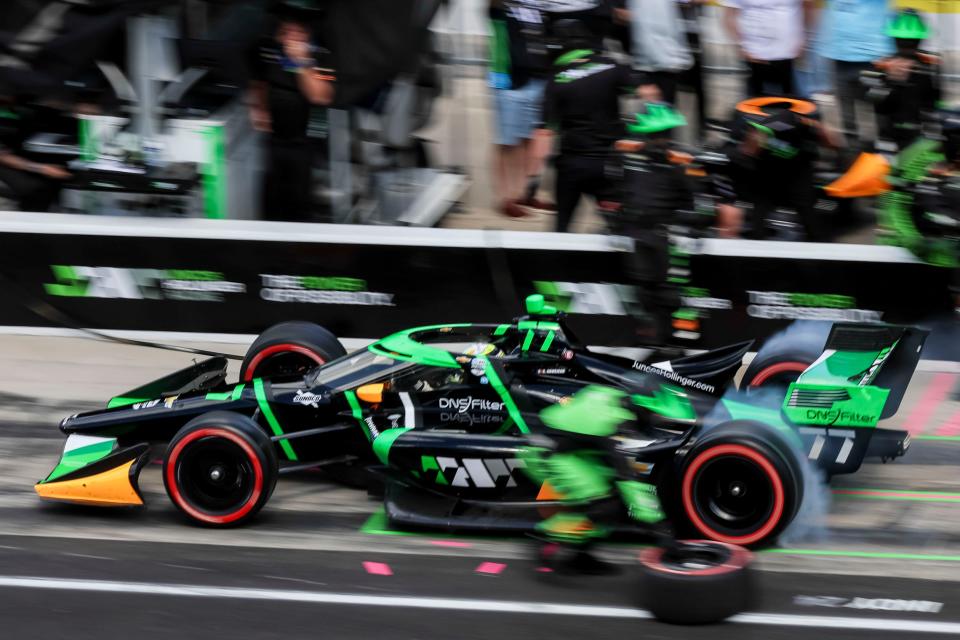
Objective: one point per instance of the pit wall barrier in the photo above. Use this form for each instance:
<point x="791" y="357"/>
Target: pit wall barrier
<point x="201" y="276"/>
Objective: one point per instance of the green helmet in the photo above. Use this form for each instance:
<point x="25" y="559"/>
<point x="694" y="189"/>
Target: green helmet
<point x="908" y="25"/>
<point x="658" y="117"/>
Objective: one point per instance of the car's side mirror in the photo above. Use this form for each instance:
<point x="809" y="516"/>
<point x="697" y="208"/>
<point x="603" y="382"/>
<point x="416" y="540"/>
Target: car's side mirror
<point x="537" y="306"/>
<point x="371" y="393"/>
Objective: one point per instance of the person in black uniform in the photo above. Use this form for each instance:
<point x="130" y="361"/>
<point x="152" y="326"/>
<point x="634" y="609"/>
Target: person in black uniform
<point x="908" y="89"/>
<point x="289" y="76"/>
<point x="582" y="105"/>
<point x="35" y="185"/>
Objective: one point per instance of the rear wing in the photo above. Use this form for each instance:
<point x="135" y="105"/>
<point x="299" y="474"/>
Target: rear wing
<point x="859" y="379"/>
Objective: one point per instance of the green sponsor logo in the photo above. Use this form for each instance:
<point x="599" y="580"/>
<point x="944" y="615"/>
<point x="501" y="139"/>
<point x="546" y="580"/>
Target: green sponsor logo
<point x="482" y="473"/>
<point x="139" y="284"/>
<point x="834" y="405"/>
<point x="835" y="416"/>
<point x="784" y="305"/>
<point x="321" y="290"/>
<point x="825" y="300"/>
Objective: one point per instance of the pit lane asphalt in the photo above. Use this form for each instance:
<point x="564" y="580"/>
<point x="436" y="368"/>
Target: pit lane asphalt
<point x="274" y="578"/>
<point x="107" y="589"/>
<point x="891" y="547"/>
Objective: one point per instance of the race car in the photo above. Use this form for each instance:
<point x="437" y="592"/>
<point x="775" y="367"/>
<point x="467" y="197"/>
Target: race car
<point x="439" y="414"/>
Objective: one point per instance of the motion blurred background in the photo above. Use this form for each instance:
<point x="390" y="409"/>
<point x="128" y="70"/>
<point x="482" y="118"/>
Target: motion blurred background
<point x="146" y="105"/>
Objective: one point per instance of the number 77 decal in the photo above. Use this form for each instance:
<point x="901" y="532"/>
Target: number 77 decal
<point x="820" y="439"/>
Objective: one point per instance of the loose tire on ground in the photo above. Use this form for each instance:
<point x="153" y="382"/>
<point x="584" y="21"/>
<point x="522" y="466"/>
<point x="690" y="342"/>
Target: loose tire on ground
<point x="220" y="469"/>
<point x="695" y="582"/>
<point x="289" y="349"/>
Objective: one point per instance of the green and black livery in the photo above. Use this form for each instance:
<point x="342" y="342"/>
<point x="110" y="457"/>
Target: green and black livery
<point x="437" y="418"/>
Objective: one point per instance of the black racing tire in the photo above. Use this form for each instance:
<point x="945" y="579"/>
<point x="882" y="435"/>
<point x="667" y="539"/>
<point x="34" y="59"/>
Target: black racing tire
<point x="784" y="357"/>
<point x="235" y="448"/>
<point x="695" y="581"/>
<point x="740" y="483"/>
<point x="289" y="349"/>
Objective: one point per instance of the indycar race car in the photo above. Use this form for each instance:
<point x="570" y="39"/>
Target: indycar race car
<point x="439" y="414"/>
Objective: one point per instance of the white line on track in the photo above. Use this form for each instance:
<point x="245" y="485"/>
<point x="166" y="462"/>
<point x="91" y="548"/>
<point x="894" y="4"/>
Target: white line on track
<point x="460" y="604"/>
<point x="84" y="555"/>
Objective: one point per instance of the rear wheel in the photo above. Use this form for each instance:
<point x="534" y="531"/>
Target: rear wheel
<point x="740" y="484"/>
<point x="289" y="349"/>
<point x="220" y="469"/>
<point x="695" y="581"/>
<point x="784" y="357"/>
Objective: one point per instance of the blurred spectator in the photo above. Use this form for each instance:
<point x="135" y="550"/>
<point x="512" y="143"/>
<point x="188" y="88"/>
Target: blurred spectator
<point x="582" y="104"/>
<point x="519" y="66"/>
<point x="290" y="74"/>
<point x="34" y="185"/>
<point x="910" y="89"/>
<point x="691" y="11"/>
<point x="852" y="36"/>
<point x="771" y="35"/>
<point x="660" y="47"/>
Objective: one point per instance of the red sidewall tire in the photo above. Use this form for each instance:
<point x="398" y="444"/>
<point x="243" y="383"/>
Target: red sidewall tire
<point x="173" y="485"/>
<point x="703" y="596"/>
<point x="250" y="367"/>
<point x="309" y="341"/>
<point x="249" y="452"/>
<point x="652" y="559"/>
<point x="777" y="369"/>
<point x="759" y="459"/>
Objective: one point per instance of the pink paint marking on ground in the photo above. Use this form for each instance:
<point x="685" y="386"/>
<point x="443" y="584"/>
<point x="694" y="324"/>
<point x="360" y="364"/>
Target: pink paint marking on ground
<point x="544" y="569"/>
<point x="492" y="568"/>
<point x="929" y="401"/>
<point x="451" y="543"/>
<point x="377" y="569"/>
<point x="951" y="427"/>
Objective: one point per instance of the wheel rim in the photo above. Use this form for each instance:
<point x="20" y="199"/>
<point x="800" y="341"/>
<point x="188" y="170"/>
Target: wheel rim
<point x="732" y="493"/>
<point x="282" y="360"/>
<point x="215" y="476"/>
<point x="694" y="557"/>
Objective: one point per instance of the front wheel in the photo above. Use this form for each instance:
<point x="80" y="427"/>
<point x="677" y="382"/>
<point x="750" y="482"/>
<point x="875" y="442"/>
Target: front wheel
<point x="220" y="469"/>
<point x="695" y="581"/>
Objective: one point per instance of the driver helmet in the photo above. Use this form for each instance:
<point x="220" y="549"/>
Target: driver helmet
<point x="486" y="349"/>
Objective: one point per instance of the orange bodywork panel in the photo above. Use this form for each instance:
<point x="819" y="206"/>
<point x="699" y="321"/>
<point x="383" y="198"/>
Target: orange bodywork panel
<point x="865" y="178"/>
<point x="113" y="487"/>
